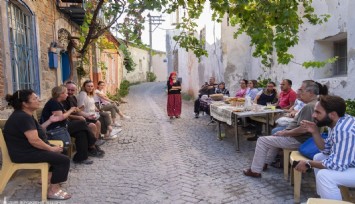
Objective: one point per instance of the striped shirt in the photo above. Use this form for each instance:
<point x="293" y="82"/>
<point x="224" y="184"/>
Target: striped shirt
<point x="340" y="145"/>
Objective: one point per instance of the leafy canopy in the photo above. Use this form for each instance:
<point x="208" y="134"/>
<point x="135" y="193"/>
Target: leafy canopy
<point x="272" y="25"/>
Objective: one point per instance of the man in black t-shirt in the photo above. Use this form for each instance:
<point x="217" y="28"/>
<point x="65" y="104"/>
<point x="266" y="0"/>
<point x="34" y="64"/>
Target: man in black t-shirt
<point x="206" y="89"/>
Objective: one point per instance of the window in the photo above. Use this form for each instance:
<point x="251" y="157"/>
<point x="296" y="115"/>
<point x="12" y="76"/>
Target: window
<point x="24" y="66"/>
<point x="341" y="65"/>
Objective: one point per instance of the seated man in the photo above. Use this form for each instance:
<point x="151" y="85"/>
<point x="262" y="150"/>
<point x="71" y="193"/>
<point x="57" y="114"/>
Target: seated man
<point x="292" y="137"/>
<point x="287" y="96"/>
<point x="206" y="89"/>
<point x="335" y="165"/>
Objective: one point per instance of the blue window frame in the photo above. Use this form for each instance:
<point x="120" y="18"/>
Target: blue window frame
<point x="23" y="51"/>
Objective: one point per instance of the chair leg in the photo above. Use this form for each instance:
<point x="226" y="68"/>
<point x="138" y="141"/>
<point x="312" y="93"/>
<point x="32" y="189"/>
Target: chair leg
<point x="297" y="185"/>
<point x="286" y="163"/>
<point x="5" y="175"/>
<point x="345" y="193"/>
<point x="44" y="175"/>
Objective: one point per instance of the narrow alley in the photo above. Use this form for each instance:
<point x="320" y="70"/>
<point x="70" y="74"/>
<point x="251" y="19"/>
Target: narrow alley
<point x="158" y="160"/>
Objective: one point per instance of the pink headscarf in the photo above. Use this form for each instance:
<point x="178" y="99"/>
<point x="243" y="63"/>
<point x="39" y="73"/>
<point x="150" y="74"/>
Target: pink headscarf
<point x="171" y="78"/>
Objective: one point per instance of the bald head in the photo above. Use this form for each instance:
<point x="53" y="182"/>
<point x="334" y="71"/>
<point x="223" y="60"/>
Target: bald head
<point x="71" y="88"/>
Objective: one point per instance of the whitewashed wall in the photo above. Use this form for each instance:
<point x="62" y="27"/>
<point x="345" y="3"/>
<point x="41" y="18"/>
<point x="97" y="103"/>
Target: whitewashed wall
<point x="160" y="66"/>
<point x="231" y="60"/>
<point x="193" y="72"/>
<point x="141" y="58"/>
<point x="313" y="46"/>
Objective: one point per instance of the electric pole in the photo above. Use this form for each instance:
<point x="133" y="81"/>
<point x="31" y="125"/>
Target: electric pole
<point x="153" y="20"/>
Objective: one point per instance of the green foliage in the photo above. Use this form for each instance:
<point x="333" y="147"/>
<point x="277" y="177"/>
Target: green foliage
<point x="317" y="64"/>
<point x="115" y="96"/>
<point x="186" y="97"/>
<point x="151" y="76"/>
<point x="128" y="60"/>
<point x="271" y="25"/>
<point x="262" y="82"/>
<point x="350" y="106"/>
<point x="124" y="88"/>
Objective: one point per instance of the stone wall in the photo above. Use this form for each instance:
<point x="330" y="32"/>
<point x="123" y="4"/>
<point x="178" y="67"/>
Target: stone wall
<point x="48" y="20"/>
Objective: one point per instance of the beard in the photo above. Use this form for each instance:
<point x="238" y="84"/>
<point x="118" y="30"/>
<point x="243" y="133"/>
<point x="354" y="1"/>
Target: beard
<point x="326" y="121"/>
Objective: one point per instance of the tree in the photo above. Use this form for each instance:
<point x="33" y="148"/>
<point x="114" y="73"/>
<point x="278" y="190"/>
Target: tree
<point x="272" y="25"/>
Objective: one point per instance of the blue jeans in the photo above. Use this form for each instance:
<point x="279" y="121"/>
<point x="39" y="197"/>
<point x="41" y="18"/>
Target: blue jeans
<point x="278" y="128"/>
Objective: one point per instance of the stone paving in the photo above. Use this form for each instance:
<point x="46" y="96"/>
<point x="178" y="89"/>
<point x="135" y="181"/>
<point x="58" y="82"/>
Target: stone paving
<point x="158" y="160"/>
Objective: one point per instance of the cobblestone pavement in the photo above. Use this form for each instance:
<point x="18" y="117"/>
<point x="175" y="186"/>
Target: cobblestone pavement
<point x="158" y="160"/>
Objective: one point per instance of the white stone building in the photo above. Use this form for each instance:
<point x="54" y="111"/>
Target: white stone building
<point x="231" y="59"/>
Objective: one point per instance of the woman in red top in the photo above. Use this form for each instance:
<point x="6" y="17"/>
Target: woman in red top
<point x="174" y="97"/>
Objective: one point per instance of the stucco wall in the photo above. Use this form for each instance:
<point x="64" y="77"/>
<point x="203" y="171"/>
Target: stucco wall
<point x="160" y="67"/>
<point x="315" y="44"/>
<point x="231" y="60"/>
<point x="141" y="58"/>
<point x="192" y="71"/>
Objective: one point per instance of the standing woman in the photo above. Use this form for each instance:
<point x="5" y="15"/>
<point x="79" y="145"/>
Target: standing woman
<point x="174" y="96"/>
<point x="27" y="142"/>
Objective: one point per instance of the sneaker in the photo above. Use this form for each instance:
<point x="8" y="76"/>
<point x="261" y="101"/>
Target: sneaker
<point x="116" y="124"/>
<point x="115" y="131"/>
<point x="99" y="149"/>
<point x="111" y="137"/>
<point x="100" y="142"/>
<point x="196" y="115"/>
<point x="125" y="117"/>
<point x="93" y="152"/>
<point x="86" y="161"/>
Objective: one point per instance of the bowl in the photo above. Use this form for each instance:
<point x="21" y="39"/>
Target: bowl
<point x="216" y="97"/>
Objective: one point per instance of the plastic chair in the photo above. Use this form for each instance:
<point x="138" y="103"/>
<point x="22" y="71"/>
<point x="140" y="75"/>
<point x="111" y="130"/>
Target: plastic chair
<point x="325" y="201"/>
<point x="9" y="168"/>
<point x="287" y="153"/>
<point x="296" y="179"/>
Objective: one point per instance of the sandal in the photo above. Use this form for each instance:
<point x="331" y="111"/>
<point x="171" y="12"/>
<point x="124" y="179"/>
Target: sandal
<point x="59" y="195"/>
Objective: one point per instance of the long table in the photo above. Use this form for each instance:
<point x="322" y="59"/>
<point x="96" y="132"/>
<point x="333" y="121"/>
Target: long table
<point x="226" y="113"/>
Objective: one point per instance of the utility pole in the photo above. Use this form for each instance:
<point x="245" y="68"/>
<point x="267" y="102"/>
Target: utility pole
<point x="153" y="20"/>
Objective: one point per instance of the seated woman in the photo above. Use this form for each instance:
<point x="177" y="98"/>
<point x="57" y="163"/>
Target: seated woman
<point x="243" y="89"/>
<point x="221" y="89"/>
<point x="76" y="129"/>
<point x="27" y="143"/>
<point x="106" y="104"/>
<point x="86" y="99"/>
<point x="252" y="89"/>
<point x="268" y="95"/>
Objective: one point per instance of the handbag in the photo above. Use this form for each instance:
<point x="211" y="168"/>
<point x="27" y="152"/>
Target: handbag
<point x="309" y="147"/>
<point x="59" y="133"/>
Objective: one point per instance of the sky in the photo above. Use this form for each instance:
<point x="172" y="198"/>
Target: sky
<point x="159" y="33"/>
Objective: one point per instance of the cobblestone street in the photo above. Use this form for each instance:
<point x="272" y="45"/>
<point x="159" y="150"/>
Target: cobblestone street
<point x="158" y="160"/>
